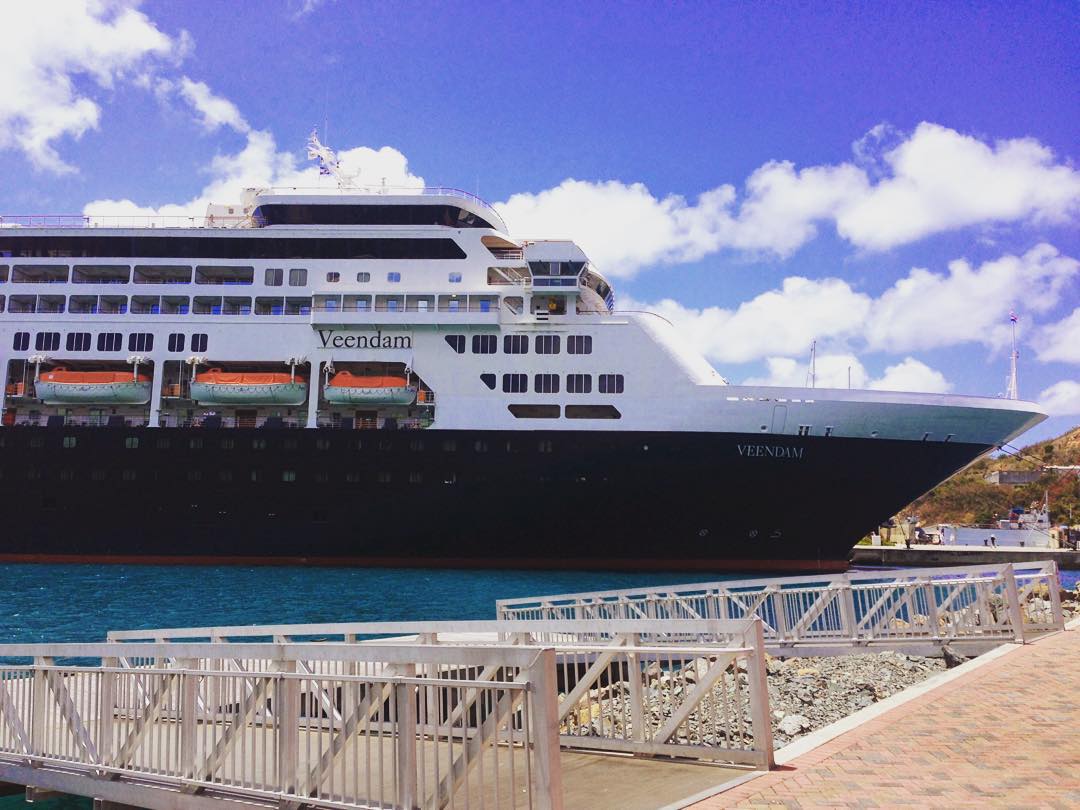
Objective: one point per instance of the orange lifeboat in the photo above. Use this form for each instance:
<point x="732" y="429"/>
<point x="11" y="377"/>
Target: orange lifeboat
<point x="218" y="387"/>
<point x="346" y="388"/>
<point x="59" y="386"/>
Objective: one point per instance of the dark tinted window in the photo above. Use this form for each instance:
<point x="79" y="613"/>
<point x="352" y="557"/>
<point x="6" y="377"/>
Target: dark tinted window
<point x="448" y="215"/>
<point x="484" y="344"/>
<point x="78" y="342"/>
<point x="579" y="344"/>
<point x="176" y="342"/>
<point x="47" y="341"/>
<point x="457" y="343"/>
<point x="140" y="342"/>
<point x="547" y="344"/>
<point x="611" y="383"/>
<point x="230" y="247"/>
<point x="21" y="341"/>
<point x="535" y="411"/>
<point x="592" y="412"/>
<point x="198" y="342"/>
<point x="516" y="344"/>
<point x="546" y="383"/>
<point x="488" y="380"/>
<point x="515" y="383"/>
<point x="109" y="342"/>
<point x="578" y="384"/>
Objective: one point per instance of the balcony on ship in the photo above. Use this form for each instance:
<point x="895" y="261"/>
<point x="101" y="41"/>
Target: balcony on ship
<point x="403" y="308"/>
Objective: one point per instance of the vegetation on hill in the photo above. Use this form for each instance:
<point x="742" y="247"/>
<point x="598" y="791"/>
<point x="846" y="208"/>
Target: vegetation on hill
<point x="968" y="497"/>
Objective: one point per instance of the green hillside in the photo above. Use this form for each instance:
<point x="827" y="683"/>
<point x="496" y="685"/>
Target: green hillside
<point x="968" y="498"/>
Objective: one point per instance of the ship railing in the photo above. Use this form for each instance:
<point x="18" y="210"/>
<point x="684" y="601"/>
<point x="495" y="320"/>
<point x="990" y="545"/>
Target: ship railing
<point x="408" y="191"/>
<point x="309" y="725"/>
<point x="687" y="688"/>
<point x="61" y="420"/>
<point x="210" y="421"/>
<point x="120" y="221"/>
<point x="377" y="423"/>
<point x="464" y="308"/>
<point x="914" y="609"/>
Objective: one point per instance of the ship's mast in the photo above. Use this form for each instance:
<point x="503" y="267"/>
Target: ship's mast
<point x="1012" y="391"/>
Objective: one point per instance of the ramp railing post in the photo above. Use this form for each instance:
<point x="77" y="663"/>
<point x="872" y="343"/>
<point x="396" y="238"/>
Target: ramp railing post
<point x="543" y="694"/>
<point x="109" y="679"/>
<point x="1053" y="582"/>
<point x="1012" y="597"/>
<point x="637" y="689"/>
<point x="288" y="728"/>
<point x="405" y="715"/>
<point x="189" y="693"/>
<point x="846" y="596"/>
<point x="39" y="696"/>
<point x="931" y="609"/>
<point x="757" y="676"/>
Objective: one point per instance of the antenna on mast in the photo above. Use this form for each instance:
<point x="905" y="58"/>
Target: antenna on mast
<point x="328" y="161"/>
<point x="1012" y="390"/>
<point x="811" y="374"/>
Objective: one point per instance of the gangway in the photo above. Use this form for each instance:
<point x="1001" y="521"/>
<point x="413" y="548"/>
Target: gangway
<point x="914" y="610"/>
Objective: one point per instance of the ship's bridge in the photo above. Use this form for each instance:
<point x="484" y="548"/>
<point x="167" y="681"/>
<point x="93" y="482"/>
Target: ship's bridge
<point x="381" y="205"/>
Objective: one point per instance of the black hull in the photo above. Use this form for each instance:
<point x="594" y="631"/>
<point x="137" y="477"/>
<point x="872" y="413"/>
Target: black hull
<point x="548" y="499"/>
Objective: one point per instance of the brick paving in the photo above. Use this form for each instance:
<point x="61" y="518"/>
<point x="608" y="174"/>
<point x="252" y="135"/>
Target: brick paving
<point x="1004" y="735"/>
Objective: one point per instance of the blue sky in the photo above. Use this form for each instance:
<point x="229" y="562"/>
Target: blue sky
<point x="764" y="174"/>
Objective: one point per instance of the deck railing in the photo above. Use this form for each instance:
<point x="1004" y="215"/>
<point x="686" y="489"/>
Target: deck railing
<point x="392" y="726"/>
<point x="694" y="689"/>
<point x="928" y="607"/>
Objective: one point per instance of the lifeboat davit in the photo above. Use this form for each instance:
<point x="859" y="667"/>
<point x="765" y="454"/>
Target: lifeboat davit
<point x="346" y="388"/>
<point x="62" y="387"/>
<point x="217" y="387"/>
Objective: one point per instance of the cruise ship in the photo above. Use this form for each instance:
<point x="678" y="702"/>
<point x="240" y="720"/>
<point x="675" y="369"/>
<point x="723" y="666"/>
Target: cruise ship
<point x="383" y="376"/>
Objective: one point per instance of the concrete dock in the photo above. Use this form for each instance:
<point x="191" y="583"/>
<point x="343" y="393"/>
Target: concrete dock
<point x="930" y="555"/>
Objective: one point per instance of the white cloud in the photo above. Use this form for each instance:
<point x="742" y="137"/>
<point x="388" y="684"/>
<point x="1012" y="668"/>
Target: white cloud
<point x="783" y="321"/>
<point x="926" y="310"/>
<point x="1062" y="398"/>
<point x="260" y="164"/>
<point x="1061" y="340"/>
<point x="897" y="191"/>
<point x="214" y="111"/>
<point x="911" y="375"/>
<point x="845" y="370"/>
<point x="50" y="49"/>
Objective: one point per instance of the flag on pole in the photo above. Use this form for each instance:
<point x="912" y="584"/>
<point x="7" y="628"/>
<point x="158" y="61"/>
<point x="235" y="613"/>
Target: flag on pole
<point x="1013" y="317"/>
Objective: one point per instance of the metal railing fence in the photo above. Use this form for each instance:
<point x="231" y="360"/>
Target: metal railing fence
<point x="934" y="606"/>
<point x="400" y="725"/>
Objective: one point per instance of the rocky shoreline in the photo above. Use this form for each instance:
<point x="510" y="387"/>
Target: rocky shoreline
<point x="806" y="694"/>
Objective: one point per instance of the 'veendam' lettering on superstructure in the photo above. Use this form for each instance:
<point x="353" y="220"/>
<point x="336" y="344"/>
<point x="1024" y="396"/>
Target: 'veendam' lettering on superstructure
<point x="376" y="340"/>
<point x="769" y="451"/>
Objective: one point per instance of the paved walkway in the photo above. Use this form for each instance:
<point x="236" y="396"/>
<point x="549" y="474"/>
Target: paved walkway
<point x="1004" y="735"/>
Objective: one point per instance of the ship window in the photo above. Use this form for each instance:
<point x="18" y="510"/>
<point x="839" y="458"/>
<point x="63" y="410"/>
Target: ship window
<point x="269" y="306"/>
<point x="457" y="343"/>
<point x="161" y="273"/>
<point x="393" y="277"/>
<point x="256" y="476"/>
<point x="383" y="477"/>
<point x="516" y="344"/>
<point x="78" y="341"/>
<point x="258" y="444"/>
<point x="333" y="277"/>
<point x="289" y="444"/>
<point x="23" y="303"/>
<point x="611" y="383"/>
<point x="488" y="380"/>
<point x="288" y="476"/>
<point x="515" y="383"/>
<point x="195" y="444"/>
<point x="69" y="441"/>
<point x="2" y="303"/>
<point x="227" y="444"/>
<point x="297" y="277"/>
<point x="37" y="441"/>
<point x="449" y="446"/>
<point x="101" y="274"/>
<point x="176" y="342"/>
<point x="480" y="446"/>
<point x="3" y="272"/>
<point x="322" y="444"/>
<point x="547" y="344"/>
<point x="273" y="276"/>
<point x="67" y="475"/>
<point x="47" y="341"/>
<point x="141" y="342"/>
<point x="175" y="304"/>
<point x="416" y="445"/>
<point x="39" y="274"/>
<point x="236" y="306"/>
<point x="579" y="344"/>
<point x="484" y="344"/>
<point x="206" y="305"/>
<point x="225" y="475"/>
<point x="198" y="342"/>
<point x="352" y="477"/>
<point x="194" y="475"/>
<point x="546" y="383"/>
<point x="211" y="274"/>
<point x="145" y="304"/>
<point x="297" y="306"/>
<point x="416" y="478"/>
<point x="455" y="278"/>
<point x="21" y="341"/>
<point x="828" y="430"/>
<point x="97" y="475"/>
<point x="363" y="276"/>
<point x="534" y="411"/>
<point x="129" y="475"/>
<point x="109" y="342"/>
<point x="131" y="442"/>
<point x="592" y="412"/>
<point x="578" y="384"/>
<point x="804" y="430"/>
<point x="163" y="444"/>
<point x="544" y="446"/>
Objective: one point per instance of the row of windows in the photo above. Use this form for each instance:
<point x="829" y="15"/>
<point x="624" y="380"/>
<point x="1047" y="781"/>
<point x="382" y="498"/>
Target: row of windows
<point x="517" y="383"/>
<point x="177" y="274"/>
<point x="106" y="342"/>
<point x="231" y="247"/>
<point x="519" y="344"/>
<point x="157" y="305"/>
<point x="415" y="445"/>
